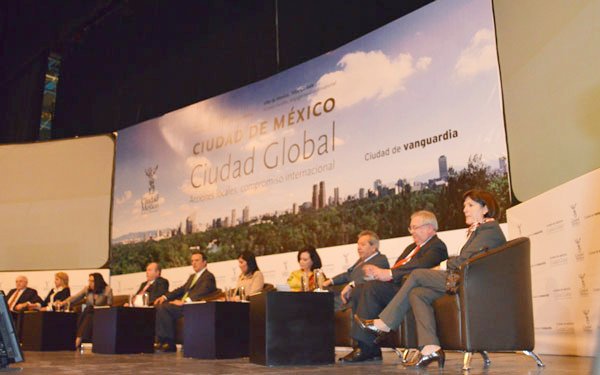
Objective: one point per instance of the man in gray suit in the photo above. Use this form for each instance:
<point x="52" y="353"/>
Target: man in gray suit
<point x="368" y="253"/>
<point x="369" y="299"/>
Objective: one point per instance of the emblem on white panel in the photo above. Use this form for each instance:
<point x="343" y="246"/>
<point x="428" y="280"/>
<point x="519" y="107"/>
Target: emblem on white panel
<point x="519" y="228"/>
<point x="587" y="326"/>
<point x="579" y="255"/>
<point x="285" y="269"/>
<point x="583" y="290"/>
<point x="346" y="263"/>
<point x="233" y="278"/>
<point x="575" y="218"/>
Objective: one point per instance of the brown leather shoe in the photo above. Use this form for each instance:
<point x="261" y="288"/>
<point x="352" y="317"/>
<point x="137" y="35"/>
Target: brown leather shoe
<point x="166" y="348"/>
<point x="422" y="361"/>
<point x="368" y="326"/>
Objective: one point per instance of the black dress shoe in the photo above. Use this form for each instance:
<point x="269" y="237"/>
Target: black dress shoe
<point x="422" y="361"/>
<point x="368" y="326"/>
<point x="361" y="355"/>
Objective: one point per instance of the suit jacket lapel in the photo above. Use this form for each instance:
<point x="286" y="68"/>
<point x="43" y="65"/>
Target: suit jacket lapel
<point x="425" y="247"/>
<point x="469" y="240"/>
<point x="188" y="283"/>
<point x="354" y="265"/>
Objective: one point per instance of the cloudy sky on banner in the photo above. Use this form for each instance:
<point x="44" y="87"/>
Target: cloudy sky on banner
<point x="431" y="71"/>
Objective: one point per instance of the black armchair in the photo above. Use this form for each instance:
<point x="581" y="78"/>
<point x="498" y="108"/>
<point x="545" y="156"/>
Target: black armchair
<point x="492" y="310"/>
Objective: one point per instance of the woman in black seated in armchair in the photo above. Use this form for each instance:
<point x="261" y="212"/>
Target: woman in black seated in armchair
<point x="97" y="293"/>
<point x="424" y="286"/>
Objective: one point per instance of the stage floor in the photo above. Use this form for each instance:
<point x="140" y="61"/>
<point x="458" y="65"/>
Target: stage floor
<point x="89" y="363"/>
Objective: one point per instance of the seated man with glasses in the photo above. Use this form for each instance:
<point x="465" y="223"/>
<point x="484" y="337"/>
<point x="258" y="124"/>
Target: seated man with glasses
<point x="369" y="299"/>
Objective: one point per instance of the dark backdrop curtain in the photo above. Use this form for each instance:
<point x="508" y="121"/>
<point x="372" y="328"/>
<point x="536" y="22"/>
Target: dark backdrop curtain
<point x="21" y="103"/>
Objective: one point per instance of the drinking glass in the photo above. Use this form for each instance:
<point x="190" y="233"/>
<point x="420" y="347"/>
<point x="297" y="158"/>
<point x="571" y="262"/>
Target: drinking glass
<point x="305" y="282"/>
<point x="318" y="279"/>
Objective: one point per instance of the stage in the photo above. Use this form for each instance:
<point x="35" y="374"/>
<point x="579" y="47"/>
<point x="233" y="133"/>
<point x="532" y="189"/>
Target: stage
<point x="89" y="363"/>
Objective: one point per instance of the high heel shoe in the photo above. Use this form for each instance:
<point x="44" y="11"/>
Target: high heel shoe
<point x="422" y="361"/>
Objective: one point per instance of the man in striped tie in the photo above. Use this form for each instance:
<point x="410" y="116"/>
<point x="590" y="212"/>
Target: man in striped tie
<point x="21" y="297"/>
<point x="369" y="299"/>
<point x="169" y="307"/>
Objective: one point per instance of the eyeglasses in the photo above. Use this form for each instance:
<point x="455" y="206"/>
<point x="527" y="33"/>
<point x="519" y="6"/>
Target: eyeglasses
<point x="411" y="229"/>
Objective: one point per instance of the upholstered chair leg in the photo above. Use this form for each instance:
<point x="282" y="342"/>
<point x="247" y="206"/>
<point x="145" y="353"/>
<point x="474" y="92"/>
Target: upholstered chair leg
<point x="486" y="359"/>
<point x="467" y="361"/>
<point x="534" y="356"/>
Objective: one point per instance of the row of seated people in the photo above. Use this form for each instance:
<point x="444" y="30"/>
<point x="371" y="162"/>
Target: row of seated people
<point x="379" y="295"/>
<point x="96" y="293"/>
<point x="24" y="298"/>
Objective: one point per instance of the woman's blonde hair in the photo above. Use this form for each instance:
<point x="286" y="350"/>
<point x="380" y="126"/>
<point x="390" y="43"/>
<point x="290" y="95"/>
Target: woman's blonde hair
<point x="64" y="277"/>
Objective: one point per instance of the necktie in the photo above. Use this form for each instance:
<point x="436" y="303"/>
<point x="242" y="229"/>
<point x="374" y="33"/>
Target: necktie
<point x="141" y="293"/>
<point x="408" y="257"/>
<point x="187" y="292"/>
<point x="13" y="300"/>
<point x="360" y="261"/>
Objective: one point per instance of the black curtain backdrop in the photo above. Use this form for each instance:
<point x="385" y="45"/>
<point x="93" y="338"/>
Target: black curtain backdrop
<point x="127" y="61"/>
<point x="21" y="103"/>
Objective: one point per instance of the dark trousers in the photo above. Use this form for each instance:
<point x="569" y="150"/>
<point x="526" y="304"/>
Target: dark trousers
<point x="166" y="315"/>
<point x="85" y="324"/>
<point x="368" y="300"/>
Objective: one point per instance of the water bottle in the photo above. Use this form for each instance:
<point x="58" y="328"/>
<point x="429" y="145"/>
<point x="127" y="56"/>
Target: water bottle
<point x="146" y="299"/>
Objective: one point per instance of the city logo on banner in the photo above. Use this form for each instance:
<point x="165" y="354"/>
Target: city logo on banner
<point x="150" y="199"/>
<point x="285" y="269"/>
<point x="519" y="229"/>
<point x="575" y="219"/>
<point x="587" y="326"/>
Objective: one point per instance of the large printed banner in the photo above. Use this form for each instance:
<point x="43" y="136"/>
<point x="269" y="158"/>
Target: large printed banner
<point x="405" y="118"/>
<point x="563" y="225"/>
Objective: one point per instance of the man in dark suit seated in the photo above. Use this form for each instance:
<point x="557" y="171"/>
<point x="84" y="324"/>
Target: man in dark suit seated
<point x="169" y="307"/>
<point x="368" y="253"/>
<point x="369" y="299"/>
<point x="21" y="297"/>
<point x="154" y="285"/>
